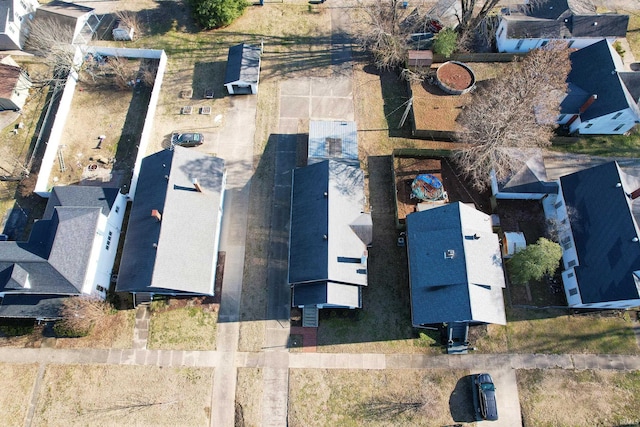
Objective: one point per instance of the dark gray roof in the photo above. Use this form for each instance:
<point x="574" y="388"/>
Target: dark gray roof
<point x="327" y="198"/>
<point x="455" y="267"/>
<point x="603" y="228"/>
<point x="631" y="81"/>
<point x="573" y="26"/>
<point x="55" y="258"/>
<point x="594" y="71"/>
<point x="179" y="253"/>
<point x="78" y="195"/>
<point x="44" y="307"/>
<point x="329" y="293"/>
<point x="64" y="8"/>
<point x="243" y="64"/>
<point x="531" y="177"/>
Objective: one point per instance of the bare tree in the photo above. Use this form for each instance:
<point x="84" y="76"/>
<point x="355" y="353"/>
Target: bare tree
<point x="515" y="111"/>
<point x="53" y="41"/>
<point x="387" y="30"/>
<point x="79" y="314"/>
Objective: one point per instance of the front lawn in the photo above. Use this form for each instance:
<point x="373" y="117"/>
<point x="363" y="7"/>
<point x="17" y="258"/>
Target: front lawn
<point x="19" y="380"/>
<point x="555" y="331"/>
<point x="555" y="397"/>
<point x="191" y="327"/>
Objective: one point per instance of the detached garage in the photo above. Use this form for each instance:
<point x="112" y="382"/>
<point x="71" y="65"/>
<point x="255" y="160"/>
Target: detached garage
<point x="243" y="70"/>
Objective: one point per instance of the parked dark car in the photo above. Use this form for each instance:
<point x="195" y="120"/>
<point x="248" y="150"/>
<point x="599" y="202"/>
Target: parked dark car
<point x="487" y="404"/>
<point x="187" y="139"/>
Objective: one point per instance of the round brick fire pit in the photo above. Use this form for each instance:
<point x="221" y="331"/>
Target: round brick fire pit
<point x="455" y="78"/>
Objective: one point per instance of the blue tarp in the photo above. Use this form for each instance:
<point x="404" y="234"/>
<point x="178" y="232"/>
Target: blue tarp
<point x="427" y="187"/>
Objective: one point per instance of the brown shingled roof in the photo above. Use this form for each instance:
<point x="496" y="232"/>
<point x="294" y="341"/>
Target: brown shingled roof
<point x="8" y="78"/>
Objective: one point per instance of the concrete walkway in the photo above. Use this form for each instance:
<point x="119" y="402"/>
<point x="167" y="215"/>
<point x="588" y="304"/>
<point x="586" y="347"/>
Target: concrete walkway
<point x="141" y="328"/>
<point x="286" y="360"/>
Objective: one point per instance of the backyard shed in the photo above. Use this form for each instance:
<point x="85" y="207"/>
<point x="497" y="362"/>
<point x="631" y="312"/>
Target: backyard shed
<point x="333" y="139"/>
<point x="243" y="69"/>
<point x="512" y="242"/>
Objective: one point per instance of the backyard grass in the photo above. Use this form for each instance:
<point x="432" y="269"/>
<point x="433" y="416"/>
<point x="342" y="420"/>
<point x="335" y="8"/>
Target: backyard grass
<point x="19" y="380"/>
<point x="556" y="332"/>
<point x="249" y="397"/>
<point x="182" y="328"/>
<point x="602" y="145"/>
<point x="123" y="395"/>
<point x="320" y="397"/>
<point x="561" y="398"/>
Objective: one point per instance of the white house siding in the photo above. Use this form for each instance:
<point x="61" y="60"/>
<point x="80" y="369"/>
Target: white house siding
<point x="102" y="259"/>
<point x="16" y="27"/>
<point x="616" y="123"/>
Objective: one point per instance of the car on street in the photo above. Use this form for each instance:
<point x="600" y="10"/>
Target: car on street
<point x="487" y="404"/>
<point x="187" y="139"/>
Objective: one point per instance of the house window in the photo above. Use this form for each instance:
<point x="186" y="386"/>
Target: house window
<point x="570" y="275"/>
<point x="519" y="44"/>
<point x="558" y="205"/>
<point x="618" y="127"/>
<point x="573" y="292"/>
<point x="117" y="209"/>
<point x="100" y="289"/>
<point x="109" y="240"/>
<point x="500" y="32"/>
<point x="561" y="118"/>
<point x="588" y="125"/>
<point x="567" y="246"/>
<point x="544" y="43"/>
<point x="572" y="263"/>
<point x="616" y="115"/>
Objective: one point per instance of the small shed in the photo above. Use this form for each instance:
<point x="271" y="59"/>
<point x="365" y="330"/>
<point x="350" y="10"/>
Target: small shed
<point x="14" y="86"/>
<point x="420" y="59"/>
<point x="122" y="32"/>
<point x="243" y="69"/>
<point x="333" y="139"/>
<point x="512" y="242"/>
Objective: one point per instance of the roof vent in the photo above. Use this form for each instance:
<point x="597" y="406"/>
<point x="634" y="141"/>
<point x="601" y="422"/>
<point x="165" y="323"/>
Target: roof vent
<point x="325" y="237"/>
<point x="595" y="23"/>
<point x="449" y="254"/>
<point x="635" y="240"/>
<point x="196" y="184"/>
<point x="618" y="185"/>
<point x="326" y="194"/>
<point x="155" y="246"/>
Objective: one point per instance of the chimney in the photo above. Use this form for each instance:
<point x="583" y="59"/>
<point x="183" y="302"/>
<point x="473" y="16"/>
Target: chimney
<point x="588" y="103"/>
<point x="635" y="194"/>
<point x="156" y="214"/>
<point x="197" y="186"/>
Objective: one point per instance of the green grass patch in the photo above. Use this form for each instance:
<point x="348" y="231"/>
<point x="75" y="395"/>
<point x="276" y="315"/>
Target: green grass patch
<point x="601" y="145"/>
<point x="185" y="328"/>
<point x="557" y="332"/>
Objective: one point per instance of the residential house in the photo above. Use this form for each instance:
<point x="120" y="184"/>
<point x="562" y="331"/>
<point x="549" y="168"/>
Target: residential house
<point x="601" y="97"/>
<point x="455" y="267"/>
<point x="329" y="236"/>
<point x="173" y="233"/>
<point x="81" y="21"/>
<point x="597" y="213"/>
<point x="572" y="21"/>
<point x="14" y="85"/>
<point x="15" y="18"/>
<point x="333" y="139"/>
<point x="70" y="252"/>
<point x="243" y="69"/>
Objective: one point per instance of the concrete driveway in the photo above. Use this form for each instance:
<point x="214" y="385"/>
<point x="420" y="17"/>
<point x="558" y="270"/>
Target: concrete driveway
<point x="504" y="378"/>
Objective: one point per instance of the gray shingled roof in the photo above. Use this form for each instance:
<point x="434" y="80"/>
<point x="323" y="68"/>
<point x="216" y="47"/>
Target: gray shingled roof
<point x="31" y="306"/>
<point x="466" y="286"/>
<point x="243" y="64"/>
<point x="329" y="293"/>
<point x="54" y="261"/>
<point x="603" y="228"/>
<point x="84" y="196"/>
<point x="328" y="198"/>
<point x="178" y="253"/>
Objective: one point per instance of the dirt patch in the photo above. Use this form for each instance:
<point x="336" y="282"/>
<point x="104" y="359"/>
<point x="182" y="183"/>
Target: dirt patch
<point x="408" y="168"/>
<point x="454" y="76"/>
